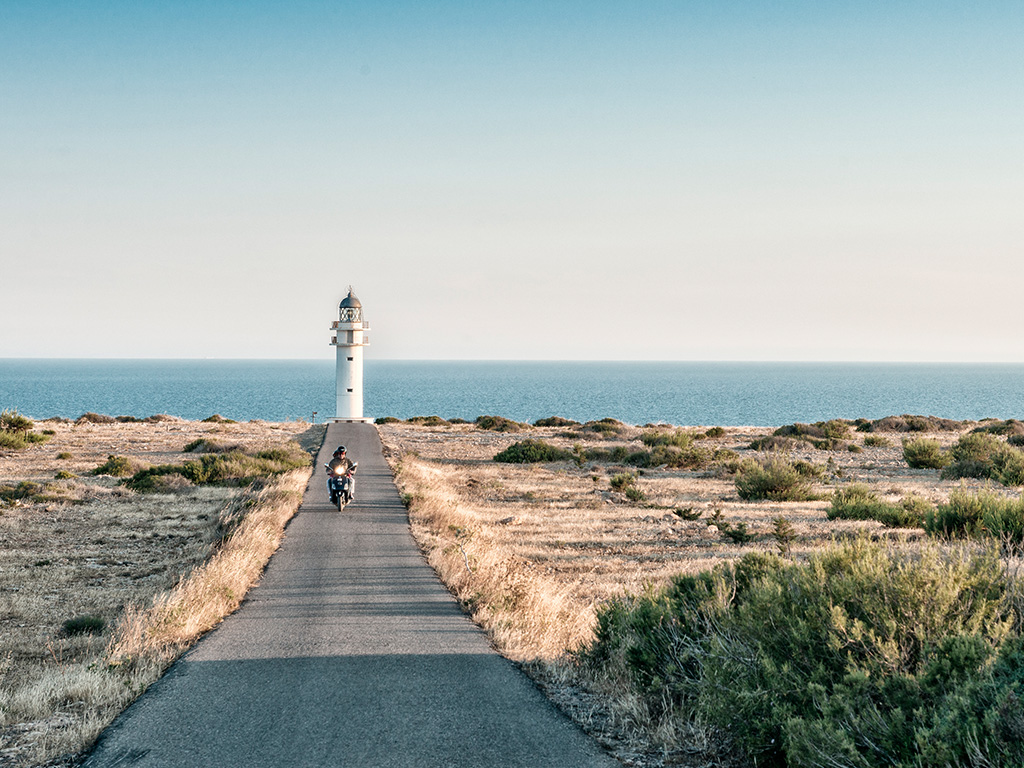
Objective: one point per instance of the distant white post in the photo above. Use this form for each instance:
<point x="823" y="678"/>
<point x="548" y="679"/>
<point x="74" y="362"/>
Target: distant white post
<point x="350" y="340"/>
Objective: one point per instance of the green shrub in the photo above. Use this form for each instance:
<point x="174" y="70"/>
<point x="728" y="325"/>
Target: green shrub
<point x="924" y="454"/>
<point x="858" y="502"/>
<point x="428" y="421"/>
<point x="215" y="419"/>
<point x="776" y="443"/>
<point x="606" y="427"/>
<point x="801" y="430"/>
<point x="678" y="438"/>
<point x="715" y="432"/>
<point x="862" y="657"/>
<point x="12" y="421"/>
<point x="386" y="420"/>
<point x="26" y="489"/>
<point x="12" y="440"/>
<point x="532" y="452"/>
<point x="984" y="513"/>
<point x="555" y="421"/>
<point x="622" y="480"/>
<point x="877" y="441"/>
<point x="1008" y="427"/>
<point x="84" y="625"/>
<point x="64" y="456"/>
<point x="908" y="423"/>
<point x="95" y="418"/>
<point x="208" y="445"/>
<point x="63" y="474"/>
<point x="775" y="479"/>
<point x="116" y="466"/>
<point x="232" y="468"/>
<point x="634" y="494"/>
<point x="983" y="455"/>
<point x="498" y="424"/>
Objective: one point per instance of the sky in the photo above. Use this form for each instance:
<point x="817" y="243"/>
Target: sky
<point x="513" y="180"/>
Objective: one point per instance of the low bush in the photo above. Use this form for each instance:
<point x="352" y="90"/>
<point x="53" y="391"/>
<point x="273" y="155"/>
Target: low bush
<point x="429" y="421"/>
<point x="85" y="625"/>
<point x="984" y="513"/>
<point x="858" y="502"/>
<point x="908" y="423"/>
<point x="715" y="432"/>
<point x="996" y="427"/>
<point x="386" y="420"/>
<point x="498" y="424"/>
<point x="116" y="466"/>
<point x="621" y="481"/>
<point x="555" y="421"/>
<point x="776" y="443"/>
<point x="606" y="427"/>
<point x="924" y="454"/>
<point x="95" y="418"/>
<point x="12" y="421"/>
<point x="983" y="455"/>
<point x="679" y="438"/>
<point x="801" y="430"/>
<point x="532" y="452"/>
<point x="877" y="441"/>
<point x="217" y="419"/>
<point x="12" y="441"/>
<point x="209" y="445"/>
<point x="775" y="479"/>
<point x="233" y="468"/>
<point x="26" y="489"/>
<point x="865" y="656"/>
<point x="63" y="474"/>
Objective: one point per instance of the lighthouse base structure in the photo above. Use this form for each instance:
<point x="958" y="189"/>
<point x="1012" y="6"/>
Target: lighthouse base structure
<point x="349" y="420"/>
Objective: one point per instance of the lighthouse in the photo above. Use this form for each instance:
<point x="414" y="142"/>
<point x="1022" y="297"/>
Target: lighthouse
<point x="350" y="339"/>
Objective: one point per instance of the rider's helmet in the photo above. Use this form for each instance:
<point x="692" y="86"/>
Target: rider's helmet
<point x="340" y="449"/>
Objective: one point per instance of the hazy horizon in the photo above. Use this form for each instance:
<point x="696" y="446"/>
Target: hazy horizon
<point x="555" y="181"/>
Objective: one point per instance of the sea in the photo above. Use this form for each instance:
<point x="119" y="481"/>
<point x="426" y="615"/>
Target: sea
<point x="680" y="393"/>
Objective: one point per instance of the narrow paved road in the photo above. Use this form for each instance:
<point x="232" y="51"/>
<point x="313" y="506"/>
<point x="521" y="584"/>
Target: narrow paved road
<point x="348" y="653"/>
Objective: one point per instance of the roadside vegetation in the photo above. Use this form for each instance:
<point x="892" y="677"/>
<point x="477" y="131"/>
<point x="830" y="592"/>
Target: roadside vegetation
<point x="763" y="605"/>
<point x="102" y="587"/>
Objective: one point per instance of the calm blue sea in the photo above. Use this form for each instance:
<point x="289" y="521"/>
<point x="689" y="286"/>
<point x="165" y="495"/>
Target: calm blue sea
<point x="683" y="393"/>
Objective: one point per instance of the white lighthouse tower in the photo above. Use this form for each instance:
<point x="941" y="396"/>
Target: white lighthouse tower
<point x="350" y="340"/>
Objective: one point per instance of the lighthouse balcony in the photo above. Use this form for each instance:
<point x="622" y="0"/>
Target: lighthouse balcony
<point x="348" y="326"/>
<point x="364" y="342"/>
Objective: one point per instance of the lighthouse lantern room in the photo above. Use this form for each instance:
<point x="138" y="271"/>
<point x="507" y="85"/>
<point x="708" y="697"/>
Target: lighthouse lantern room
<point x="350" y="338"/>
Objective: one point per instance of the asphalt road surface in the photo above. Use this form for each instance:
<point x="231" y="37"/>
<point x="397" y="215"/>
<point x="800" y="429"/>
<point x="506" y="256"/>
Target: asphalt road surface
<point x="349" y="653"/>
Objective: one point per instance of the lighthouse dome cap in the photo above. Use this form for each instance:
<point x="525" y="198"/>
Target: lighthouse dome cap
<point x="350" y="301"/>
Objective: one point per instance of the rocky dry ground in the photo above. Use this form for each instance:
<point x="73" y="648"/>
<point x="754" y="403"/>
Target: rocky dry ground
<point x="87" y="547"/>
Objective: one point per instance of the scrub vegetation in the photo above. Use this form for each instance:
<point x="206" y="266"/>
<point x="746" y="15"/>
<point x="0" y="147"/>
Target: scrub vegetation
<point x="102" y="587"/>
<point x="761" y="606"/>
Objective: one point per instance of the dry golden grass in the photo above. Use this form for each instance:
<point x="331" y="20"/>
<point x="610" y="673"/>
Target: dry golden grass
<point x="531" y="549"/>
<point x="141" y="563"/>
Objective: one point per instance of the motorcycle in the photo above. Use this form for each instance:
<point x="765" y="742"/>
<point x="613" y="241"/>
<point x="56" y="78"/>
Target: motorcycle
<point x="339" y="486"/>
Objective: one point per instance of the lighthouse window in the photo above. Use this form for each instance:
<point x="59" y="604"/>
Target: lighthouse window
<point x="350" y="389"/>
<point x="351" y="359"/>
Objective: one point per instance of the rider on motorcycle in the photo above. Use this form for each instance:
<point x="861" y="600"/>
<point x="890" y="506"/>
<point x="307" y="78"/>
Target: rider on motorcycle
<point x="339" y="466"/>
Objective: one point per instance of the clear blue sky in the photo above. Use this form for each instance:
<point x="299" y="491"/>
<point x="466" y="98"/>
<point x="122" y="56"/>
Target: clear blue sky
<point x="587" y="180"/>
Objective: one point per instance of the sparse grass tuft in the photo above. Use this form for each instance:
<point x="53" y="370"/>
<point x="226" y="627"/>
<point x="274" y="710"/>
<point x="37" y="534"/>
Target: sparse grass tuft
<point x="428" y="421"/>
